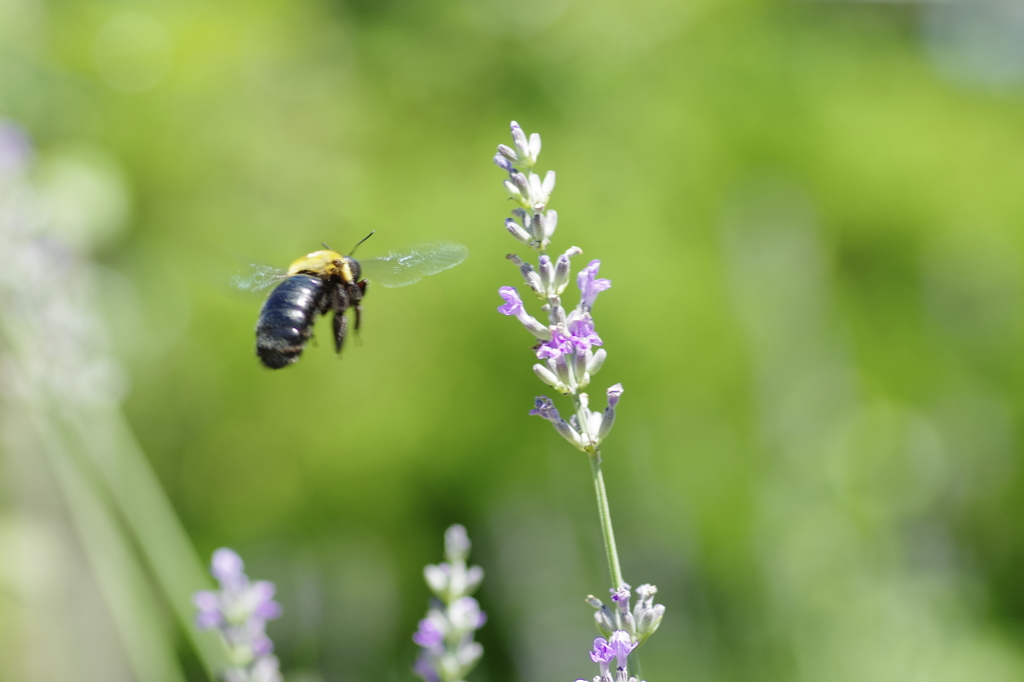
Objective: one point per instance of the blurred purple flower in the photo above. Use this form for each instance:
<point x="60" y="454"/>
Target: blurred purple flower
<point x="446" y="635"/>
<point x="425" y="668"/>
<point x="15" y="147"/>
<point x="239" y="611"/>
<point x="429" y="634"/>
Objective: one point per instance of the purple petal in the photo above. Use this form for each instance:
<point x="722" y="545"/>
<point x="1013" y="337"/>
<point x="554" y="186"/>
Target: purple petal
<point x="268" y="610"/>
<point x="261" y="645"/>
<point x="559" y="345"/>
<point x="622" y="644"/>
<point x="263" y="590"/>
<point x="504" y="163"/>
<point x="602" y="653"/>
<point x="544" y="407"/>
<point x="589" y="285"/>
<point x="207" y="620"/>
<point x="513" y="304"/>
<point x="428" y="635"/>
<point x="614" y="393"/>
<point x="425" y="669"/>
<point x="206" y="600"/>
<point x="583" y="335"/>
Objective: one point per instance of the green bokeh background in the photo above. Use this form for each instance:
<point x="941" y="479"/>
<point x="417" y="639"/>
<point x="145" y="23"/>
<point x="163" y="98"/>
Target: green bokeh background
<point x="813" y="231"/>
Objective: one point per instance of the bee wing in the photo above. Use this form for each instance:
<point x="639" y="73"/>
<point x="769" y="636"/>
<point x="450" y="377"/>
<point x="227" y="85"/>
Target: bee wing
<point x="400" y="268"/>
<point x="258" y="277"/>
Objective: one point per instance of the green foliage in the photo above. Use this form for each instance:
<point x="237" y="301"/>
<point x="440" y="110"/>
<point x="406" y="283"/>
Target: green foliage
<point x="815" y="245"/>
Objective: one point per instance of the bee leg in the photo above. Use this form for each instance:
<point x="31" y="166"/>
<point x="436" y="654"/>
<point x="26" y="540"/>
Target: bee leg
<point x="340" y="327"/>
<point x="358" y="303"/>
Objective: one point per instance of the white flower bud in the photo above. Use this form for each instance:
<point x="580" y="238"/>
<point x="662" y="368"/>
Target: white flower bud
<point x="548" y="377"/>
<point x="547" y="273"/>
<point x="437" y="578"/>
<point x="517" y="231"/>
<point x="595" y="360"/>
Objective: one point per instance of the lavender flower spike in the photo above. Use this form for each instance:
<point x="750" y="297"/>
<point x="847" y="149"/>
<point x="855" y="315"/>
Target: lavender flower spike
<point x="239" y="611"/>
<point x="570" y="354"/>
<point x="445" y="636"/>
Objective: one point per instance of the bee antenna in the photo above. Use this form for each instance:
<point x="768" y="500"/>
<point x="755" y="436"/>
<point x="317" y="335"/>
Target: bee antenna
<point x="324" y="244"/>
<point x="360" y="242"/>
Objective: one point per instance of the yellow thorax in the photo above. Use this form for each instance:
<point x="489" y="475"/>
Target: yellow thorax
<point x="321" y="263"/>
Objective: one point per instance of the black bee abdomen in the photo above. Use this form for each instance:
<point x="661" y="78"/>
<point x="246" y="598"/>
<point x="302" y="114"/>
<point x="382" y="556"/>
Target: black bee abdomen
<point x="286" y="320"/>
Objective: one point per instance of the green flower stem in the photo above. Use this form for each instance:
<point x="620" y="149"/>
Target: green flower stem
<point x="606" y="521"/>
<point x="582" y="411"/>
<point x="605" y="514"/>
<point x="609" y="543"/>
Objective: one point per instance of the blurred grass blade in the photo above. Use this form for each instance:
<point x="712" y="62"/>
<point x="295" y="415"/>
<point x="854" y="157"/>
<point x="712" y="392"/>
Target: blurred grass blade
<point x="110" y="444"/>
<point x="133" y="606"/>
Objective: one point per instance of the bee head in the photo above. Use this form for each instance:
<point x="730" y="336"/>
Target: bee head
<point x="353" y="268"/>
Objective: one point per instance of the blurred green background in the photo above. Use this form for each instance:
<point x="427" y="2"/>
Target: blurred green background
<point x="811" y="215"/>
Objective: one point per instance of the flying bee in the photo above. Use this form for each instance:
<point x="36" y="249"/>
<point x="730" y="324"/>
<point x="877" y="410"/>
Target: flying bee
<point x="327" y="281"/>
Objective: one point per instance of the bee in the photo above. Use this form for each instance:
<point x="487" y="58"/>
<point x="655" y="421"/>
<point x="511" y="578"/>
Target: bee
<point x="326" y="281"/>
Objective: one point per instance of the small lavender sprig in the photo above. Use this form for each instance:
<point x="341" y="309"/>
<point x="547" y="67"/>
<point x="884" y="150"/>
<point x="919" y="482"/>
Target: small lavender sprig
<point x="446" y="634"/>
<point x="570" y="352"/>
<point x="617" y="647"/>
<point x="640" y="622"/>
<point x="239" y="611"/>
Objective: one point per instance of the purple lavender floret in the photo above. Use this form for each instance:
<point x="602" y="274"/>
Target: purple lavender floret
<point x="614" y="393"/>
<point x="582" y="334"/>
<point x="590" y="286"/>
<point x="623" y="645"/>
<point x="514" y="307"/>
<point x="544" y="407"/>
<point x="429" y="634"/>
<point x="560" y="344"/>
<point x="425" y="668"/>
<point x="513" y="304"/>
<point x="620" y="595"/>
<point x="602" y="654"/>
